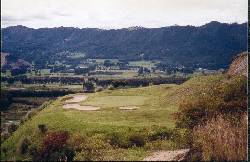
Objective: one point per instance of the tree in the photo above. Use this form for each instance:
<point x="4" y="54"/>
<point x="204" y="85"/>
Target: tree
<point x="89" y="86"/>
<point x="107" y="63"/>
<point x="140" y="71"/>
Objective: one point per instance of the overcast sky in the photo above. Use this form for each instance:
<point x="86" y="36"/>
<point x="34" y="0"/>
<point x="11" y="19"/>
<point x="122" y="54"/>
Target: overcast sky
<point x="120" y="13"/>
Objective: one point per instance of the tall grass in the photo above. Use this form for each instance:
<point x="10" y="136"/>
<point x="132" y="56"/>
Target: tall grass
<point x="220" y="140"/>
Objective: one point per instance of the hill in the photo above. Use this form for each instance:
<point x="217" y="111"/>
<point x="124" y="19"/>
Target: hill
<point x="209" y="46"/>
<point x="124" y="113"/>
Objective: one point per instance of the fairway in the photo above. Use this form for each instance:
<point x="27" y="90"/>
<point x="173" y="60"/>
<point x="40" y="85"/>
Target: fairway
<point x="125" y="111"/>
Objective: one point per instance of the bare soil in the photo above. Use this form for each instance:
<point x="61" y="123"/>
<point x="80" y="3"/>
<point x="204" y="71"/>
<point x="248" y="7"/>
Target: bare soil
<point x="176" y="155"/>
<point x="76" y="99"/>
<point x="79" y="107"/>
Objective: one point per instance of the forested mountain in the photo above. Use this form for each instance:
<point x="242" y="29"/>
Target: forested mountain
<point x="212" y="45"/>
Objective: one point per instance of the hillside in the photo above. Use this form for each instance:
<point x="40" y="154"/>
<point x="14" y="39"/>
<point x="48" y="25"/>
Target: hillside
<point x="149" y="115"/>
<point x="210" y="46"/>
<point x="239" y="65"/>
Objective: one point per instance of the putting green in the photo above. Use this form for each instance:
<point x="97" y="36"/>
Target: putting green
<point x="115" y="101"/>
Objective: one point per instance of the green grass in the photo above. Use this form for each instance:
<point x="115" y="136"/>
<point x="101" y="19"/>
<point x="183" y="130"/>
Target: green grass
<point x="116" y="101"/>
<point x="152" y="113"/>
<point x="147" y="64"/>
<point x="156" y="106"/>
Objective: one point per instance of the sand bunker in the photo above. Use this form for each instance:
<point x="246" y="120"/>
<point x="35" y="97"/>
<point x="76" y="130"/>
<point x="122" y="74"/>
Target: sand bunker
<point x="76" y="98"/>
<point x="79" y="107"/>
<point x="128" y="108"/>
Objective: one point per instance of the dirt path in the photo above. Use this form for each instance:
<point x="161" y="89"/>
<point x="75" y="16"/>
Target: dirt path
<point x="176" y="155"/>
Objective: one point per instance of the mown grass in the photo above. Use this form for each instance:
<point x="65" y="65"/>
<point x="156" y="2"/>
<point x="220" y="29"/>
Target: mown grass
<point x="156" y="106"/>
<point x="153" y="113"/>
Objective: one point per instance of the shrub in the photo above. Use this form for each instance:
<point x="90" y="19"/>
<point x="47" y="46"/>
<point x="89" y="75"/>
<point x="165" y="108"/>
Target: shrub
<point x="89" y="148"/>
<point x="23" y="146"/>
<point x="42" y="128"/>
<point x="4" y="136"/>
<point x="161" y="134"/>
<point x="55" y="140"/>
<point x="89" y="86"/>
<point x="12" y="128"/>
<point x="55" y="148"/>
<point x="219" y="140"/>
<point x="137" y="140"/>
<point x="177" y="137"/>
<point x="118" y="139"/>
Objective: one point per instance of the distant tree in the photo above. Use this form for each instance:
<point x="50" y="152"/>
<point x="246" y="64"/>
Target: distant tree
<point x="89" y="86"/>
<point x="81" y="70"/>
<point x="140" y="71"/>
<point x="18" y="71"/>
<point x="108" y="63"/>
<point x="146" y="70"/>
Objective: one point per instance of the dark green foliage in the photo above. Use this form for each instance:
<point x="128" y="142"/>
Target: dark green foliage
<point x="211" y="45"/>
<point x="18" y="71"/>
<point x="140" y="71"/>
<point x="161" y="134"/>
<point x="42" y="128"/>
<point x="89" y="86"/>
<point x="108" y="63"/>
<point x="23" y="146"/>
<point x="137" y="140"/>
<point x="118" y="139"/>
<point x="12" y="128"/>
<point x="81" y="71"/>
<point x="5" y="100"/>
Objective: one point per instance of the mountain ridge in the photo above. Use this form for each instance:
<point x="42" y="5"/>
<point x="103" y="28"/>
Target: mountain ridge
<point x="212" y="45"/>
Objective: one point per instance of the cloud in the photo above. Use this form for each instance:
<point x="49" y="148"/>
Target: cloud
<point x="38" y="17"/>
<point x="7" y="18"/>
<point x="121" y="13"/>
<point x="63" y="14"/>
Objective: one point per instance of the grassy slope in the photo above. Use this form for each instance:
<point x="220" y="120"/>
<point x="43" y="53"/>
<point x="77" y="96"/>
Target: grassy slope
<point x="156" y="103"/>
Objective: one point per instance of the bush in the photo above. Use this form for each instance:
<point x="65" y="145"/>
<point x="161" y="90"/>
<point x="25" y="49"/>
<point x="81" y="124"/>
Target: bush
<point x="219" y="140"/>
<point x="178" y="138"/>
<point x="89" y="148"/>
<point x="42" y="128"/>
<point x="137" y="140"/>
<point x="161" y="134"/>
<point x="23" y="146"/>
<point x="12" y="128"/>
<point x="55" y="148"/>
<point x="89" y="86"/>
<point x="4" y="136"/>
<point x="118" y="139"/>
